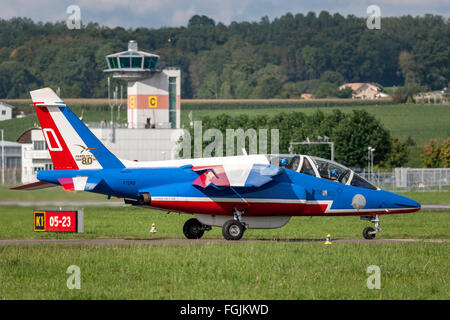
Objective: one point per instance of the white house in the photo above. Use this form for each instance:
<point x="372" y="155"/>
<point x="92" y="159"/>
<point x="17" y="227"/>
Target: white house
<point x="6" y="111"/>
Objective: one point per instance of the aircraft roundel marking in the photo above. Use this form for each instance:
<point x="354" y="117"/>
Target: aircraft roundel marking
<point x="358" y="201"/>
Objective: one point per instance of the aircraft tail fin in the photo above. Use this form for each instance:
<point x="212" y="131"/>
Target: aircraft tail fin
<point x="70" y="143"/>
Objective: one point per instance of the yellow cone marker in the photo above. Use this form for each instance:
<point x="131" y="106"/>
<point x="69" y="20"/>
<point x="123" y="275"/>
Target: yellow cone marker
<point x="153" y="229"/>
<point x="328" y="240"/>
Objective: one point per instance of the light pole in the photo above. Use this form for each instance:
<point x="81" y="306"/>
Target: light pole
<point x="370" y="162"/>
<point x="3" y="157"/>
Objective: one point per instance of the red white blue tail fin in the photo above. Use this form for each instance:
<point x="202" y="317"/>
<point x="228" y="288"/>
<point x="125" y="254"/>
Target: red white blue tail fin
<point x="70" y="143"/>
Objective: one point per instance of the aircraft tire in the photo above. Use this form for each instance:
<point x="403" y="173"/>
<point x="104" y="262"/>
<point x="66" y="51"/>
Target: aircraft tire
<point x="193" y="229"/>
<point x="367" y="233"/>
<point x="232" y="230"/>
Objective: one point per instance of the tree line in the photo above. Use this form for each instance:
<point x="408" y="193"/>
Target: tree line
<point x="290" y="55"/>
<point x="351" y="133"/>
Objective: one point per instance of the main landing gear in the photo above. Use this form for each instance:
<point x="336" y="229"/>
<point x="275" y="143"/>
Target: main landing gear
<point x="231" y="230"/>
<point x="194" y="229"/>
<point x="234" y="229"/>
<point x="369" y="233"/>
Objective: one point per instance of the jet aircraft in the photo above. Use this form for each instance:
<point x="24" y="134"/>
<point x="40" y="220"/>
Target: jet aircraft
<point x="234" y="193"/>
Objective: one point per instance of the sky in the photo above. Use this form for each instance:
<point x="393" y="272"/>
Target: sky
<point x="175" y="13"/>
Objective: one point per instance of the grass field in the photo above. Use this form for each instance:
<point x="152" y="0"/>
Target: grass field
<point x="270" y="270"/>
<point x="132" y="222"/>
<point x="300" y="268"/>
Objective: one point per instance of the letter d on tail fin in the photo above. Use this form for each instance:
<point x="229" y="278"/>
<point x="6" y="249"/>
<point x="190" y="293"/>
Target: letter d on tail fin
<point x="70" y="143"/>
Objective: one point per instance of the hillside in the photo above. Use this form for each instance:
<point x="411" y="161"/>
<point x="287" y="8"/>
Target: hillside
<point x="295" y="53"/>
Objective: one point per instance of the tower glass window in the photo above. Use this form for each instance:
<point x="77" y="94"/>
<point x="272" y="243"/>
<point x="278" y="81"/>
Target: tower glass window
<point x="125" y="62"/>
<point x="136" y="62"/>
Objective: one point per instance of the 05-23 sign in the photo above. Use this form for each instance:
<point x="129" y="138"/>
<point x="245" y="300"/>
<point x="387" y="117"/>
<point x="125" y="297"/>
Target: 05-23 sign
<point x="60" y="221"/>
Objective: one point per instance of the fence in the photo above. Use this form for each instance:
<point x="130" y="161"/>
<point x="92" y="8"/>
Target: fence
<point x="408" y="179"/>
<point x="12" y="176"/>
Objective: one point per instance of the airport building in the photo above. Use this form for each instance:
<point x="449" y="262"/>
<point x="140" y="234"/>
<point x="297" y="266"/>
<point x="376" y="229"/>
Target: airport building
<point x="153" y="124"/>
<point x="35" y="155"/>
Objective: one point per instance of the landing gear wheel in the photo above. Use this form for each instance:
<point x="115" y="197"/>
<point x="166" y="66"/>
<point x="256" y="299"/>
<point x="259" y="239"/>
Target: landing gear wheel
<point x="233" y="230"/>
<point x="193" y="229"/>
<point x="369" y="233"/>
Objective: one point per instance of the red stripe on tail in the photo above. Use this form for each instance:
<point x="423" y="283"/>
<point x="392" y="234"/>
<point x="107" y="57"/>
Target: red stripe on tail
<point x="59" y="152"/>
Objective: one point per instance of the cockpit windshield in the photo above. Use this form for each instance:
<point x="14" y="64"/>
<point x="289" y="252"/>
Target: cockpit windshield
<point x="320" y="168"/>
<point x="331" y="170"/>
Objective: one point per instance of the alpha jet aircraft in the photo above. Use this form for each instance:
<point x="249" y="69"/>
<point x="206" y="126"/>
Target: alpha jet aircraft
<point x="234" y="193"/>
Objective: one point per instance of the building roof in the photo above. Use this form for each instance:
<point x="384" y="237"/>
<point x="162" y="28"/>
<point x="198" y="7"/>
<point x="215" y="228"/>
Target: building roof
<point x="3" y="104"/>
<point x="26" y="136"/>
<point x="9" y="144"/>
<point x="358" y="85"/>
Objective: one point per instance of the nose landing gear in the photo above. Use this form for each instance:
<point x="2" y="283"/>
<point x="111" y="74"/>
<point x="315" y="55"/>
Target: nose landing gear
<point x="369" y="233"/>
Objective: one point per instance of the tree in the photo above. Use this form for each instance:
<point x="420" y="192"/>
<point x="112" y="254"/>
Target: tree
<point x="431" y="156"/>
<point x="332" y="77"/>
<point x="409" y="69"/>
<point x="399" y="154"/>
<point x="445" y="153"/>
<point x="355" y="133"/>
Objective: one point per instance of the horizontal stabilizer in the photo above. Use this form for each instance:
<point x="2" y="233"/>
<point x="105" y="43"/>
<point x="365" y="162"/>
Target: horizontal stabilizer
<point x="79" y="183"/>
<point x="45" y="97"/>
<point x="35" y="186"/>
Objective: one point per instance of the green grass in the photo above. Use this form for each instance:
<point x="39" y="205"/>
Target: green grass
<point x="429" y="197"/>
<point x="226" y="271"/>
<point x="291" y="269"/>
<point x="132" y="222"/>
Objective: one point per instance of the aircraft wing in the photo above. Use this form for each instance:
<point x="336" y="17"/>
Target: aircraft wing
<point x="243" y="175"/>
<point x="35" y="186"/>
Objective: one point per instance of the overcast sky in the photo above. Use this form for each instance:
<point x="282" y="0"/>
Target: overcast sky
<point x="174" y="13"/>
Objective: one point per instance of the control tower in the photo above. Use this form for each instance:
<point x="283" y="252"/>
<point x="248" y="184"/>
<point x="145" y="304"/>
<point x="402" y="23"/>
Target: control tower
<point x="154" y="95"/>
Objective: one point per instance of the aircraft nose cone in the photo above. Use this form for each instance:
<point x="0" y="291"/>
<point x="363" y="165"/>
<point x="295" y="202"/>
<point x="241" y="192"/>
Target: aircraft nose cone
<point x="405" y="202"/>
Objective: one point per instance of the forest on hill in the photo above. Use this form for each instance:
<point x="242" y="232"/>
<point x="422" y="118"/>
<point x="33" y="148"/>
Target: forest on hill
<point x="293" y="54"/>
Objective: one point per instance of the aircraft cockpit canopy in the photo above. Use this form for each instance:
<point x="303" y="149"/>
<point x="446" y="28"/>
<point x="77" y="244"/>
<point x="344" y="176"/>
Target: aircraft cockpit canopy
<point x="320" y="168"/>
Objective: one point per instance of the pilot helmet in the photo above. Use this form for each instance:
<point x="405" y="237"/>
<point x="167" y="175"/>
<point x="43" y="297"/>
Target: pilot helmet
<point x="283" y="162"/>
<point x="334" y="173"/>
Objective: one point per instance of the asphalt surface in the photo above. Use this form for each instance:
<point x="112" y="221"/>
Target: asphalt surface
<point x="162" y="240"/>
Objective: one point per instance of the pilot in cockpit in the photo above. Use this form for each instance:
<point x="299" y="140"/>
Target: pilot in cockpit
<point x="334" y="175"/>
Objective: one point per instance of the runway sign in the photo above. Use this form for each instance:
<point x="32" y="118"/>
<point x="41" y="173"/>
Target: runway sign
<point x="58" y="221"/>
